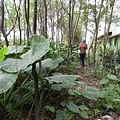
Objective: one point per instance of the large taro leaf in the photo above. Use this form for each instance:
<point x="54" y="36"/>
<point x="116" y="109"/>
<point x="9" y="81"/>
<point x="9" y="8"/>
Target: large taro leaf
<point x="15" y="49"/>
<point x="56" y="61"/>
<point x="52" y="63"/>
<point x="6" y="81"/>
<point x="39" y="47"/>
<point x="92" y="93"/>
<point x="47" y="63"/>
<point x="58" y="87"/>
<point x="13" y="65"/>
<point x="64" y="79"/>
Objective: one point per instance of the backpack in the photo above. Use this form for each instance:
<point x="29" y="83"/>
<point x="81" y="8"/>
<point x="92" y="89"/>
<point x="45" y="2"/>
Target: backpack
<point x="83" y="46"/>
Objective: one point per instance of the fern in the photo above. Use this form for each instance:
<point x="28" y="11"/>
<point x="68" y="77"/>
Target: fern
<point x="12" y="113"/>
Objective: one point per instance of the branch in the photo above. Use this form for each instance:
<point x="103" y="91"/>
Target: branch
<point x="64" y="8"/>
<point x="14" y="23"/>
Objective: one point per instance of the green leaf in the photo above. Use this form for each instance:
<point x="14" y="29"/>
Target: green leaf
<point x="73" y="107"/>
<point x="65" y="79"/>
<point x="56" y="61"/>
<point x="47" y="63"/>
<point x="6" y="81"/>
<point x="104" y="81"/>
<point x="51" y="108"/>
<point x="39" y="47"/>
<point x="92" y="93"/>
<point x="97" y="111"/>
<point x="74" y="92"/>
<point x="13" y="65"/>
<point x="60" y="115"/>
<point x="113" y="77"/>
<point x="83" y="114"/>
<point x="64" y="103"/>
<point x="3" y="52"/>
<point x="69" y="114"/>
<point x="15" y="49"/>
<point x="58" y="87"/>
<point x="23" y="99"/>
<point x="83" y="107"/>
<point x="109" y="106"/>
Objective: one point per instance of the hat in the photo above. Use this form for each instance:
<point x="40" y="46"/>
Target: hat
<point x="83" y="41"/>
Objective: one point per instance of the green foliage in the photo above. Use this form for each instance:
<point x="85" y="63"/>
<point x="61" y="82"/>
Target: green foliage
<point x="111" y="92"/>
<point x="61" y="99"/>
<point x="3" y="52"/>
<point x="15" y="49"/>
<point x="12" y="114"/>
<point x="6" y="81"/>
<point x="61" y="115"/>
<point x="111" y="60"/>
<point x="10" y="68"/>
<point x="92" y="93"/>
<point x="72" y="109"/>
<point x="11" y="102"/>
<point x="39" y="46"/>
<point x="66" y="79"/>
<point x="56" y="60"/>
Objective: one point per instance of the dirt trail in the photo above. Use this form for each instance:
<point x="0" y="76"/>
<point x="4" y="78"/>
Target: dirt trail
<point x="85" y="76"/>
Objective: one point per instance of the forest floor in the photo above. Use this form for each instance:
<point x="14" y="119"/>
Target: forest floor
<point x="87" y="76"/>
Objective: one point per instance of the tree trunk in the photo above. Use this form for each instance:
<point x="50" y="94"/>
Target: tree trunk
<point x="106" y="33"/>
<point x="71" y="19"/>
<point x="34" y="73"/>
<point x="57" y="25"/>
<point x="52" y="21"/>
<point x="20" y="30"/>
<point x="76" y="25"/>
<point x="2" y="23"/>
<point x="72" y="24"/>
<point x="69" y="26"/>
<point x="45" y="31"/>
<point x="97" y="20"/>
<point x="27" y="12"/>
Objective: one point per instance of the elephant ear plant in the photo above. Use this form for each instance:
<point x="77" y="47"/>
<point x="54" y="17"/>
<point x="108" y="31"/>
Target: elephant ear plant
<point x="11" y="68"/>
<point x="55" y="91"/>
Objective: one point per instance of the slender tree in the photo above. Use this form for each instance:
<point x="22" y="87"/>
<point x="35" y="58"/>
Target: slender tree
<point x="69" y="26"/>
<point x="106" y="30"/>
<point x="27" y="16"/>
<point x="34" y="73"/>
<point x="2" y="28"/>
<point x="52" y="20"/>
<point x="45" y="31"/>
<point x="97" y="21"/>
<point x="19" y="20"/>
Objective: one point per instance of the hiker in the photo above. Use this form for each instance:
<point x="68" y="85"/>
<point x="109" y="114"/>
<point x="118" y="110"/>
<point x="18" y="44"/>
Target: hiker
<point x="82" y="47"/>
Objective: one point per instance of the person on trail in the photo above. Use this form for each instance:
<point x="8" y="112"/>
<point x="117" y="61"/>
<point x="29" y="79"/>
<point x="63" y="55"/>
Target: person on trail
<point x="82" y="47"/>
